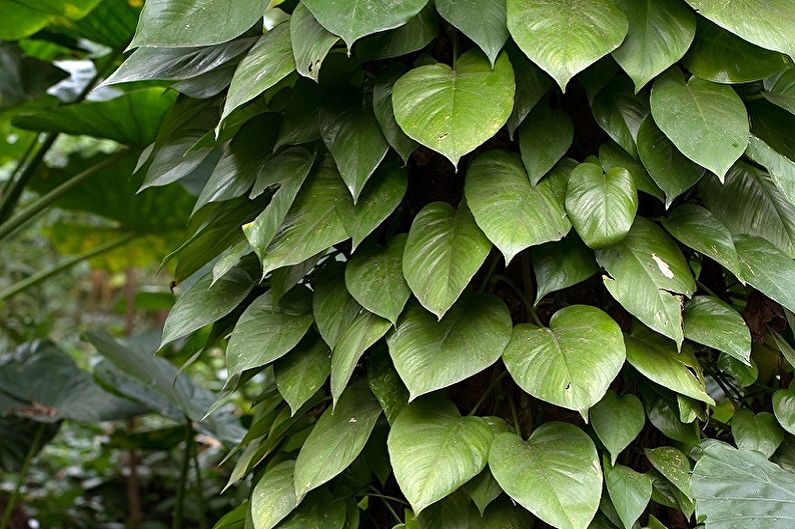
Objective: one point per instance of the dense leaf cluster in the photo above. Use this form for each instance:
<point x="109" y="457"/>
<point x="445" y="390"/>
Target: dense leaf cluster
<point x="506" y="261"/>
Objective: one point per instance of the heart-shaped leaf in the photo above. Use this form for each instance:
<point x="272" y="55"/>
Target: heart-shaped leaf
<point x="767" y="269"/>
<point x="629" y="492"/>
<point x="570" y="364"/>
<point x="555" y="474"/>
<point x="758" y="432"/>
<point x="443" y="251"/>
<point x="784" y="408"/>
<point x="564" y="38"/>
<point x="513" y="213"/>
<point x="617" y="421"/>
<point x="434" y="450"/>
<point x="431" y="354"/>
<point x="710" y="321"/>
<point x="707" y="122"/>
<point x="559" y="265"/>
<point x="453" y="111"/>
<point x="482" y="21"/>
<point x="544" y="137"/>
<point x="310" y="42"/>
<point x="601" y="205"/>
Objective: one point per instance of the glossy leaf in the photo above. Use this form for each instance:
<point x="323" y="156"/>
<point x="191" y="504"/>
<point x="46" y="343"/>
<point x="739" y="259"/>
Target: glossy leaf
<point x="544" y="138"/>
<point x="710" y="321"/>
<point x="274" y="496"/>
<point x="481" y="21"/>
<point x="784" y="408"/>
<point x="303" y="371"/>
<point x="384" y="113"/>
<point x="767" y="269"/>
<point x="364" y="331"/>
<point x="310" y="42"/>
<point x="759" y="432"/>
<point x="629" y="492"/>
<point x="559" y="265"/>
<point x="617" y="421"/>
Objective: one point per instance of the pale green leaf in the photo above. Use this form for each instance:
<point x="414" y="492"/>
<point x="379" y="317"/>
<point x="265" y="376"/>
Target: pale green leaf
<point x="710" y="321"/>
<point x="617" y="421"/>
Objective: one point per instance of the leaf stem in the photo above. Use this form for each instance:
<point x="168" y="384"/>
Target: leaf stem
<point x="179" y="507"/>
<point x="23" y="473"/>
<point x="515" y="416"/>
<point x="487" y="392"/>
<point x="199" y="487"/>
<point x="386" y="503"/>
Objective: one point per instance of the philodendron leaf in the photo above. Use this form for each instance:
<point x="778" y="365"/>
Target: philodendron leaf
<point x="707" y="122"/>
<point x="531" y="85"/>
<point x="559" y="265"/>
<point x="660" y="32"/>
<point x="710" y="321"/>
<point x="780" y="166"/>
<point x="759" y="432"/>
<point x="310" y="42"/>
<point x="784" y="408"/>
<point x="601" y="205"/>
<point x="544" y="137"/>
<point x="570" y="364"/>
<point x="647" y="271"/>
<point x="332" y="306"/>
<point x="374" y="277"/>
<point x="434" y="450"/>
<point x="617" y="421"/>
<point x="768" y="25"/>
<point x="513" y="213"/>
<point x="364" y="331"/>
<point x="767" y="269"/>
<point x="444" y="249"/>
<point x="555" y="474"/>
<point x="780" y="89"/>
<point x="337" y="439"/>
<point x="274" y="496"/>
<point x="453" y="111"/>
<point x="430" y="354"/>
<point x="629" y="492"/>
<point x="354" y="19"/>
<point x="482" y="21"/>
<point x="672" y="464"/>
<point x="564" y="37"/>
<point x="303" y="371"/>
<point x="736" y="488"/>
<point x="267" y="331"/>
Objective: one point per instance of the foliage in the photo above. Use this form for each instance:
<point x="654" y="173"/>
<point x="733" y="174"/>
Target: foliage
<point x="484" y="263"/>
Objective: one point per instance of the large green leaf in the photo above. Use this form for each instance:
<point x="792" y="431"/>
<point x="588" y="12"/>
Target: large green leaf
<point x="710" y="321"/>
<point x="310" y="41"/>
<point x="759" y="432"/>
<point x="544" y="138"/>
<point x="274" y="496"/>
<point x="354" y="19"/>
<point x="444" y="249"/>
<point x="337" y="439"/>
<point x="768" y="25"/>
<point x="412" y="36"/>
<point x="267" y="331"/>
<point x="660" y="32"/>
<point x="780" y="166"/>
<point x="707" y="122"/>
<point x="434" y="450"/>
<point x="767" y="269"/>
<point x="565" y="37"/>
<point x="303" y="371"/>
<point x="612" y="155"/>
<point x="555" y="474"/>
<point x="559" y="265"/>
<point x="570" y="364"/>
<point x="269" y="61"/>
<point x="482" y="21"/>
<point x="784" y="408"/>
<point x="430" y="354"/>
<point x="332" y="306"/>
<point x="364" y="331"/>
<point x="736" y="488"/>
<point x="183" y="23"/>
<point x="513" y="213"/>
<point x="657" y="359"/>
<point x="629" y="492"/>
<point x="620" y="112"/>
<point x="24" y="77"/>
<point x="321" y="510"/>
<point x="601" y="205"/>
<point x="780" y="89"/>
<point x="374" y="277"/>
<point x="454" y="110"/>
<point x="617" y="421"/>
<point x="647" y="273"/>
<point x="531" y="85"/>
<point x="22" y="18"/>
<point x="384" y="113"/>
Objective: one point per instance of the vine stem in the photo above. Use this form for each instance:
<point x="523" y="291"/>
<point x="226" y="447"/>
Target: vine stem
<point x="23" y="473"/>
<point x="386" y="503"/>
<point x="515" y="416"/>
<point x="199" y="488"/>
<point x="179" y="508"/>
<point x="487" y="392"/>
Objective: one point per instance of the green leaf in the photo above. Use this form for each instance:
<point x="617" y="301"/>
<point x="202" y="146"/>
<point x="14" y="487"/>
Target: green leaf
<point x="660" y="32"/>
<point x="453" y="111"/>
<point x="385" y="384"/>
<point x="434" y="450"/>
<point x="672" y="464"/>
<point x="612" y="155"/>
<point x="766" y="25"/>
<point x="570" y="364"/>
<point x="374" y="277"/>
<point x="443" y="251"/>
<point x="620" y="112"/>
<point x="333" y="307"/>
<point x="707" y="122"/>
<point x="780" y="166"/>
<point x="274" y="496"/>
<point x="657" y="359"/>
<point x="629" y="492"/>
<point x="364" y="331"/>
<point x="482" y="21"/>
<point x="412" y="36"/>
<point x="267" y="63"/>
<point x="310" y="42"/>
<point x="647" y="272"/>
<point x="337" y="439"/>
<point x="544" y="137"/>
<point x="601" y="205"/>
<point x="183" y="23"/>
<point x="699" y="229"/>
<point x="267" y="331"/>
<point x="430" y="354"/>
<point x="736" y="488"/>
<point x="353" y="137"/>
<point x="559" y="265"/>
<point x="780" y="89"/>
<point x="531" y="85"/>
<point x="759" y="432"/>
<point x="206" y="302"/>
<point x="767" y="269"/>
<point x="303" y="371"/>
<point x="321" y="510"/>
<point x="384" y="113"/>
<point x="555" y="474"/>
<point x="710" y="321"/>
<point x="564" y="37"/>
<point x="25" y="17"/>
<point x="513" y="213"/>
<point x="354" y="19"/>
<point x="617" y="421"/>
<point x="483" y="488"/>
<point x="720" y="57"/>
<point x="784" y="408"/>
